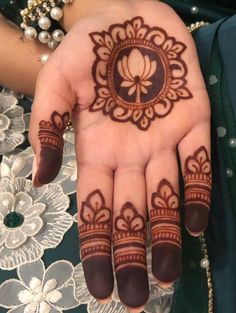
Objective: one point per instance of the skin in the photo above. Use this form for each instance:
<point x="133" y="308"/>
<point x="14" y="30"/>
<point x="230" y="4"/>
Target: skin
<point x="126" y="164"/>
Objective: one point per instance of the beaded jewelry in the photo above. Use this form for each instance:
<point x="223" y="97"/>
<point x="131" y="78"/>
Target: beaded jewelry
<point x="42" y="14"/>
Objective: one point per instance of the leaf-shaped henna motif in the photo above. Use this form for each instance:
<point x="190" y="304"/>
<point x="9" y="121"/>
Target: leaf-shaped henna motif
<point x="129" y="238"/>
<point x="95" y="231"/>
<point x="142" y="68"/>
<point x="164" y="215"/>
<point x="198" y="178"/>
<point x="51" y="141"/>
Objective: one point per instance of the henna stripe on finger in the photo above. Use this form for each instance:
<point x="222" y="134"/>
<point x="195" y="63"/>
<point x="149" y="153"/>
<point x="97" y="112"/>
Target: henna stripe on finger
<point x="51" y="142"/>
<point x="95" y="245"/>
<point x="197" y="176"/>
<point x="165" y="228"/>
<point x="129" y="247"/>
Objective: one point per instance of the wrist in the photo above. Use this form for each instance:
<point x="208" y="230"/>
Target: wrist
<point x="71" y="14"/>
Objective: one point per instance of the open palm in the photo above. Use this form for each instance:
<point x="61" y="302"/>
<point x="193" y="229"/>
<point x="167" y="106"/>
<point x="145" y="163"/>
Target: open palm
<point x="129" y="79"/>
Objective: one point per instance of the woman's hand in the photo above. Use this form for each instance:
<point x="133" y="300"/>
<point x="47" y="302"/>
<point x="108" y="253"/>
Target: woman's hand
<point x="128" y="75"/>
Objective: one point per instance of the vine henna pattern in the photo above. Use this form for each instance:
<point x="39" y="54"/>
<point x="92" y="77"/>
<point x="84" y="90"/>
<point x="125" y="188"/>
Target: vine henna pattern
<point x="198" y="178"/>
<point x="138" y="72"/>
<point x="166" y="237"/>
<point x="95" y="231"/>
<point x="165" y="216"/>
<point x="51" y="141"/>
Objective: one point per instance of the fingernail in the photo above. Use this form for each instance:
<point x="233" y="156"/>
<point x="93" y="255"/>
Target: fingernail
<point x="164" y="285"/>
<point x="135" y="310"/>
<point x="196" y="218"/>
<point x="104" y="301"/>
<point x="166" y="262"/>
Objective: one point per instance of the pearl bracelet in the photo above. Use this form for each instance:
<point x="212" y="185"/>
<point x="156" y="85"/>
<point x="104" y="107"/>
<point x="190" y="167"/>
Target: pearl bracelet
<point x="43" y="14"/>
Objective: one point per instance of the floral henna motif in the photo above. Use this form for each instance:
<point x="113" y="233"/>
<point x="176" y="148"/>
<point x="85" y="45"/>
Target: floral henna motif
<point x="129" y="239"/>
<point x="95" y="232"/>
<point x="165" y="217"/>
<point x="198" y="178"/>
<point x="138" y="71"/>
<point x="51" y="141"/>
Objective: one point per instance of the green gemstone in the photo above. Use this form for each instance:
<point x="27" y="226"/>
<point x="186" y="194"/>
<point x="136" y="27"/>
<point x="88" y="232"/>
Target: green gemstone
<point x="13" y="219"/>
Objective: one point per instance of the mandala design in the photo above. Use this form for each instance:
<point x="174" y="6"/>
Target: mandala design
<point x="198" y="178"/>
<point x="139" y="73"/>
<point x="129" y="238"/>
<point x="165" y="217"/>
<point x="95" y="232"/>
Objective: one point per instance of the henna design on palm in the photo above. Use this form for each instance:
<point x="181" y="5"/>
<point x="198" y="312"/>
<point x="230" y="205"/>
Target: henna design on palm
<point x="138" y="71"/>
<point x="51" y="141"/>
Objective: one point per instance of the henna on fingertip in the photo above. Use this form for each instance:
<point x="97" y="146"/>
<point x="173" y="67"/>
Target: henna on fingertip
<point x="166" y="237"/>
<point x="197" y="177"/>
<point x="51" y="148"/>
<point x="95" y="245"/>
<point x="130" y="256"/>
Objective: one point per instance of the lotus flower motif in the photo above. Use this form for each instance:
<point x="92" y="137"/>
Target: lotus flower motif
<point x="136" y="70"/>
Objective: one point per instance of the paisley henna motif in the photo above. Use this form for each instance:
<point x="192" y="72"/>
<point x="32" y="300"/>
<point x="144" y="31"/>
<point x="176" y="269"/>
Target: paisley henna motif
<point x="51" y="141"/>
<point x="139" y="72"/>
<point x="95" y="232"/>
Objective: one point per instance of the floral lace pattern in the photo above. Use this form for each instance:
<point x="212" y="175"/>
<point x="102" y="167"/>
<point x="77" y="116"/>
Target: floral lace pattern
<point x="40" y="290"/>
<point x="43" y="211"/>
<point x="12" y="123"/>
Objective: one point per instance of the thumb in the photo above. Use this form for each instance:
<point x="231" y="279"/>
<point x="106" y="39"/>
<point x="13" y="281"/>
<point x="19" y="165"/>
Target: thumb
<point x="50" y="115"/>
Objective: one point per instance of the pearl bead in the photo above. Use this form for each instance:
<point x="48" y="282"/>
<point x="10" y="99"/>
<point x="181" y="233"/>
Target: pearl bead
<point x="43" y="58"/>
<point x="67" y="1"/>
<point x="44" y="37"/>
<point x="44" y="22"/>
<point x="30" y="33"/>
<point x="204" y="263"/>
<point x="52" y="44"/>
<point x="58" y="35"/>
<point x="229" y="172"/>
<point x="221" y="131"/>
<point x="194" y="10"/>
<point x="56" y="13"/>
<point x="232" y="142"/>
